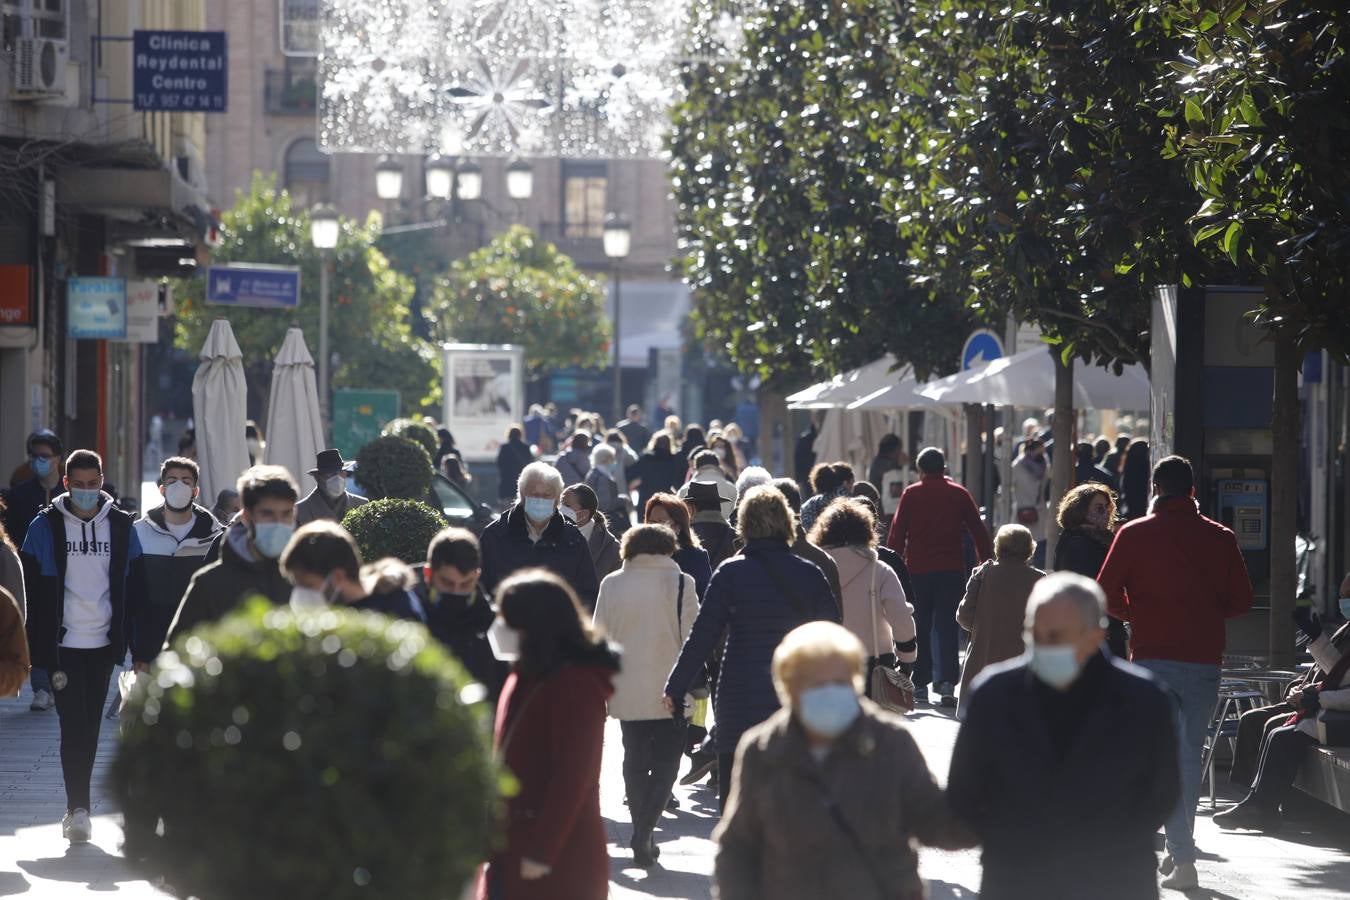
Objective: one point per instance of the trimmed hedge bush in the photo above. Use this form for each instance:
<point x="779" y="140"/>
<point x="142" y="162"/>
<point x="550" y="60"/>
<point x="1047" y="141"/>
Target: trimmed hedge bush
<point x="414" y="430"/>
<point x="401" y="528"/>
<point x="308" y="754"/>
<point x="393" y="466"/>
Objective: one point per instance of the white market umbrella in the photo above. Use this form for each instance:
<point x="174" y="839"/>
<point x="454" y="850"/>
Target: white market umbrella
<point x="841" y="390"/>
<point x="850" y="437"/>
<point x="904" y="394"/>
<point x="220" y="411"/>
<point x="294" y="424"/>
<point x="1028" y="379"/>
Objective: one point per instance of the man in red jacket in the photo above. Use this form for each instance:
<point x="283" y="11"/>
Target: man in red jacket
<point x="1176" y="576"/>
<point x="934" y="515"/>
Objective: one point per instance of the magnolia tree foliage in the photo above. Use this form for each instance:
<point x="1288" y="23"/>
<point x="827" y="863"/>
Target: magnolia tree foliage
<point x="369" y="332"/>
<point x="522" y="290"/>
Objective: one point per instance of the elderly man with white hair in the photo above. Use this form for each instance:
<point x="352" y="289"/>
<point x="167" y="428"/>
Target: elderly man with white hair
<point x="604" y="478"/>
<point x="533" y="534"/>
<point x="1066" y="763"/>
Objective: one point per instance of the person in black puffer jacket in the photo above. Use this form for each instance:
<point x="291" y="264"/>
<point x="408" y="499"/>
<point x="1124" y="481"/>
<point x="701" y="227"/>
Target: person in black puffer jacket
<point x="1087" y="522"/>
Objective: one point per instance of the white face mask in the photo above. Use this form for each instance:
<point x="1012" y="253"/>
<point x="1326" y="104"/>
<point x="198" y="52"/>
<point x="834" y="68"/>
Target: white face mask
<point x="335" y="486"/>
<point x="504" y="640"/>
<point x="307" y="598"/>
<point x="178" y="496"/>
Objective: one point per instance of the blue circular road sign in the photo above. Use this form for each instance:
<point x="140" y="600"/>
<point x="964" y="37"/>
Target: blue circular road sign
<point x="981" y="347"/>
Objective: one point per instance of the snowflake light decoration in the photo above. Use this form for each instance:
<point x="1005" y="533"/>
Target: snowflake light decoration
<point x="575" y="78"/>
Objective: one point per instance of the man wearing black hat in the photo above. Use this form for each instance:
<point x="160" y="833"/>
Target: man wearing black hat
<point x="330" y="499"/>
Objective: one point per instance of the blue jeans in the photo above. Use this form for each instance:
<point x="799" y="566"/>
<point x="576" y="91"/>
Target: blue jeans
<point x="936" y="596"/>
<point x="1194" y="688"/>
<point x="41" y="680"/>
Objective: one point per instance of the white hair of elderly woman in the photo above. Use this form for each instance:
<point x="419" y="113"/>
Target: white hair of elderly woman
<point x="539" y="475"/>
<point x="1084" y="593"/>
<point x="602" y="455"/>
<point x="753" y="476"/>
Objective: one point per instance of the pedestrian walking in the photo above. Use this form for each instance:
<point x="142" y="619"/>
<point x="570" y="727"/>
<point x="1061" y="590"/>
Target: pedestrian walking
<point x="323" y="564"/>
<point x="1065" y="764"/>
<point x="1134" y="480"/>
<point x="533" y="534"/>
<point x="625" y="458"/>
<point x="459" y="612"/>
<point x="829" y="481"/>
<point x="249" y="549"/>
<point x="1087" y="469"/>
<point x="1175" y="577"/>
<point x="1087" y="525"/>
<point x="804" y="454"/>
<point x="1284" y="733"/>
<point x="828" y="794"/>
<point x="708" y="470"/>
<point x="934" y="517"/>
<point x="802" y="546"/>
<point x="614" y="504"/>
<point x="330" y="498"/>
<point x="659" y="470"/>
<point x="874" y="605"/>
<point x="549" y="734"/>
<point x="22" y="503"/>
<point x="707" y="499"/>
<point x="175" y="539"/>
<point x="581" y="507"/>
<point x="648" y="609"/>
<point x="634" y="432"/>
<point x="671" y="511"/>
<point x="446" y="449"/>
<point x="754" y="599"/>
<point x="994" y="607"/>
<point x="694" y="441"/>
<point x="86" y="590"/>
<point x="889" y="458"/>
<point x="1029" y="474"/>
<point x="576" y="461"/>
<point x="512" y="457"/>
<point x="14" y="660"/>
<point x="227" y="506"/>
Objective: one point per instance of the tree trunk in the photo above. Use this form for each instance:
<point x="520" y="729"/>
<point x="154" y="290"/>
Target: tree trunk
<point x="1286" y="428"/>
<point x="1062" y="460"/>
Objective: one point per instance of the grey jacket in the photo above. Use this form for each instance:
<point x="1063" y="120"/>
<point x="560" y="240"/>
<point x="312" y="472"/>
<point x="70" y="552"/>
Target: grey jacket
<point x="317" y="505"/>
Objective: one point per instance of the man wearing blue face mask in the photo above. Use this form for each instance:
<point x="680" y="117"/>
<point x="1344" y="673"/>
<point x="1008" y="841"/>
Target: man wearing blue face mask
<point x="1039" y="732"/>
<point x="249" y="550"/>
<point x="533" y="534"/>
<point x="85" y="579"/>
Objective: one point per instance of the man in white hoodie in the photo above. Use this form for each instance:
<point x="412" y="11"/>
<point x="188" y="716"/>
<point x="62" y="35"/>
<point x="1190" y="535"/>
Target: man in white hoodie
<point x="86" y="589"/>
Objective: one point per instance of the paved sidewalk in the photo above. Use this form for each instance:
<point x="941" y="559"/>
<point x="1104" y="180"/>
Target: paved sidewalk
<point x="1310" y="860"/>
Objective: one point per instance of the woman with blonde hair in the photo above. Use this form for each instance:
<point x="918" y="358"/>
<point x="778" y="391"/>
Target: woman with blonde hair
<point x="1087" y="522"/>
<point x="994" y="607"/>
<point x="828" y="795"/>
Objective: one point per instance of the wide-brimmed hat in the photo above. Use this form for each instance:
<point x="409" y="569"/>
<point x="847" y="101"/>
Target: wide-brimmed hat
<point x="329" y="462"/>
<point x="704" y="492"/>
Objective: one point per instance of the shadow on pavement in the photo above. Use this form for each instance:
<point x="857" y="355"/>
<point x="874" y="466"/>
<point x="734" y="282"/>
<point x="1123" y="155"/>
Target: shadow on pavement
<point x="85" y="864"/>
<point x="658" y="881"/>
<point x="12" y="883"/>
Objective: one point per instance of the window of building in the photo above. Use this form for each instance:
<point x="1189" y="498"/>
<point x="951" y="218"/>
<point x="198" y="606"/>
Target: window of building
<point x="585" y="185"/>
<point x="32" y="18"/>
<point x="307" y="171"/>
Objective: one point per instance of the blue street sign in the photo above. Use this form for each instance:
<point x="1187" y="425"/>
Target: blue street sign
<point x="981" y="347"/>
<point x="253" y="284"/>
<point x="179" y="71"/>
<point x="96" y="308"/>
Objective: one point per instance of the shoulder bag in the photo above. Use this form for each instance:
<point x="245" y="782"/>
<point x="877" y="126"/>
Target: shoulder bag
<point x="889" y="688"/>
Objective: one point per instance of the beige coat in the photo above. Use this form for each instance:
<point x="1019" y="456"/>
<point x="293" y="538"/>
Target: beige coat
<point x="11" y="578"/>
<point x="994" y="611"/>
<point x="894" y="622"/>
<point x="638" y="610"/>
<point x="778" y="839"/>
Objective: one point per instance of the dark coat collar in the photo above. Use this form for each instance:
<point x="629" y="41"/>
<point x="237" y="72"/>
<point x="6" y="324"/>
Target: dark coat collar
<point x="555" y="532"/>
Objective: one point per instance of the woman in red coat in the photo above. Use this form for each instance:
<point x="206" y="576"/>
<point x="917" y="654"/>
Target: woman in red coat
<point x="550" y="734"/>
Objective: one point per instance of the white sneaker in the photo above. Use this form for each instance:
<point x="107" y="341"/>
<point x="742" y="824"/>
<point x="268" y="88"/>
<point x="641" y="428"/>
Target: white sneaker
<point x="42" y="701"/>
<point x="76" y="828"/>
<point x="1183" y="878"/>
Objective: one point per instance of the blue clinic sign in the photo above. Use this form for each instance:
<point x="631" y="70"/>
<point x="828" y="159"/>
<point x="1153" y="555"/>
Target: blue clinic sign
<point x="253" y="284"/>
<point x="179" y="71"/>
<point x="96" y="308"/>
<point x="981" y="347"/>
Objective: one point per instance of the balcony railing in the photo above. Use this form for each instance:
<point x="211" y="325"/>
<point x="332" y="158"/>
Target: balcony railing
<point x="290" y="94"/>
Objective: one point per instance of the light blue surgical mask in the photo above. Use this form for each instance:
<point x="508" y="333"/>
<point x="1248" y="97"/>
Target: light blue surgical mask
<point x="271" y="537"/>
<point x="828" y="710"/>
<point x="1056" y="664"/>
<point x="85" y="498"/>
<point x="538" y="508"/>
<point x="42" y="466"/>
<point x="1345" y="607"/>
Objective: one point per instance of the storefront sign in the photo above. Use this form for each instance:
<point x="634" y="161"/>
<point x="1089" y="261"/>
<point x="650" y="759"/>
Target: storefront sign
<point x="142" y="312"/>
<point x="16" y="307"/>
<point x="253" y="284"/>
<point x="96" y="308"/>
<point x="484" y="386"/>
<point x="179" y="71"/>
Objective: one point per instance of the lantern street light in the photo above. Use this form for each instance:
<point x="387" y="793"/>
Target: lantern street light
<point x="618" y="240"/>
<point x="519" y="180"/>
<point x="469" y="180"/>
<point x="440" y="177"/>
<point x="324" y="229"/>
<point x="388" y="178"/>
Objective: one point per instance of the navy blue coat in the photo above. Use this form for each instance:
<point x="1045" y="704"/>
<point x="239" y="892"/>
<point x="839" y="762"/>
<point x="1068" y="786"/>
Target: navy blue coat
<point x="1077" y="826"/>
<point x="745" y="602"/>
<point x="562" y="549"/>
<point x="694" y="562"/>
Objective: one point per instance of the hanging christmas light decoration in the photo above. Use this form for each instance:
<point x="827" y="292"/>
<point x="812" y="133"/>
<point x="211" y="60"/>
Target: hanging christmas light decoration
<point x="507" y="78"/>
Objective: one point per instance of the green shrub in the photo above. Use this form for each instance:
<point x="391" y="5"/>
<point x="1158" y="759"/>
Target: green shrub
<point x="308" y="754"/>
<point x="401" y="528"/>
<point x="417" y="431"/>
<point x="393" y="466"/>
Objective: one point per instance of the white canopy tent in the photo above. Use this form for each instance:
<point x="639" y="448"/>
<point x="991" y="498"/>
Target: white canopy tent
<point x="219" y="411"/>
<point x="294" y="424"/>
<point x="841" y="390"/>
<point x="1027" y="379"/>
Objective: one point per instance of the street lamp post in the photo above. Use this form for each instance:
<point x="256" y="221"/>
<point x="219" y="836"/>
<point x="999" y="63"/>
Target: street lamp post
<point x="618" y="240"/>
<point x="323" y="232"/>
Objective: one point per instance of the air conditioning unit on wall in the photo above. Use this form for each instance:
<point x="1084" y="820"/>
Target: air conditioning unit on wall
<point x="39" y="68"/>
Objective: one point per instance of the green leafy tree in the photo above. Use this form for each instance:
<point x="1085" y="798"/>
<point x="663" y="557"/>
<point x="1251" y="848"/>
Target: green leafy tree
<point x="369" y="331"/>
<point x="522" y="290"/>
